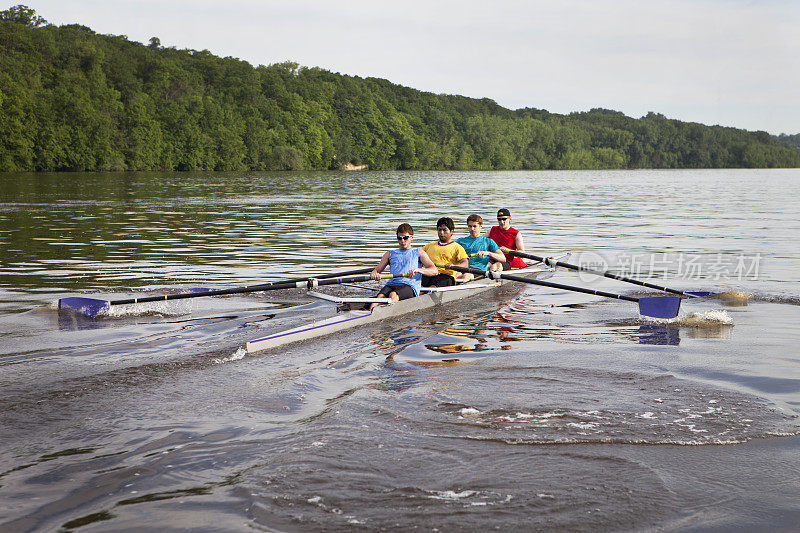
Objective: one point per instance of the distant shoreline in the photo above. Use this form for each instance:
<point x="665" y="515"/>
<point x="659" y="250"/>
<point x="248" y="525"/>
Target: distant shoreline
<point x="73" y="100"/>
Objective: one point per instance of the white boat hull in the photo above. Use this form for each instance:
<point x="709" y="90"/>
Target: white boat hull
<point x="351" y="319"/>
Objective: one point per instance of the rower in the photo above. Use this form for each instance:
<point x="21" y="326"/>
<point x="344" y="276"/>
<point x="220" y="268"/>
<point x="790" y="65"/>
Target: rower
<point x="403" y="260"/>
<point x="479" y="247"/>
<point x="507" y="237"/>
<point x="444" y="251"/>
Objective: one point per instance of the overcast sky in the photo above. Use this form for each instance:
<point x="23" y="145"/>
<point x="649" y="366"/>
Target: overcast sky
<point x="729" y="62"/>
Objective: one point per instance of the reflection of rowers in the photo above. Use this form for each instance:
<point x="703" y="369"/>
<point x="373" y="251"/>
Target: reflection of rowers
<point x="449" y="348"/>
<point x="456" y="348"/>
<point x="504" y="332"/>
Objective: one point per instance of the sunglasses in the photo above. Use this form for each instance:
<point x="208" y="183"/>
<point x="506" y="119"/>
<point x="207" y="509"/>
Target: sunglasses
<point x="403" y="237"/>
<point x="502" y="218"/>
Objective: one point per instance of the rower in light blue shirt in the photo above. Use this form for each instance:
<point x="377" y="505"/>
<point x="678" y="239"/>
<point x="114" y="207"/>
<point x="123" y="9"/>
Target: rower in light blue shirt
<point x="403" y="260"/>
<point x="483" y="248"/>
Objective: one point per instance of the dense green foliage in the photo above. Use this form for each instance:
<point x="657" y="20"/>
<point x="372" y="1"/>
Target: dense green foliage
<point x="74" y="100"/>
<point x="793" y="140"/>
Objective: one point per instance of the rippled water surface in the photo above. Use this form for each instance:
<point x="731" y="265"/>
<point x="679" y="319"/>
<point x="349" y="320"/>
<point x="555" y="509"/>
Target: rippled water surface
<point x="529" y="408"/>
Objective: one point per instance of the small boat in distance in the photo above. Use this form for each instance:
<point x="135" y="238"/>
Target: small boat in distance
<point x="347" y="318"/>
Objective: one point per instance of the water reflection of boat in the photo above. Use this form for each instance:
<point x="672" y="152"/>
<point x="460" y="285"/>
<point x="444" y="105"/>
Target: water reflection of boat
<point x="670" y="334"/>
<point x="347" y="318"/>
<point x="76" y="321"/>
<point x="714" y="331"/>
<point x="449" y="348"/>
<point x="659" y="334"/>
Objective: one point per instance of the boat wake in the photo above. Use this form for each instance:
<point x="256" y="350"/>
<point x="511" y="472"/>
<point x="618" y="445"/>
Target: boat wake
<point x="601" y="406"/>
<point x="235" y="356"/>
<point x="734" y="296"/>
<point x="157" y="309"/>
<point x="698" y="320"/>
<point x="785" y="299"/>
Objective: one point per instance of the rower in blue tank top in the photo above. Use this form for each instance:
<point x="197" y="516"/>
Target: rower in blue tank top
<point x="403" y="260"/>
<point x="481" y="247"/>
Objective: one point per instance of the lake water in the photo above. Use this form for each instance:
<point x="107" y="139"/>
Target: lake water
<point x="564" y="411"/>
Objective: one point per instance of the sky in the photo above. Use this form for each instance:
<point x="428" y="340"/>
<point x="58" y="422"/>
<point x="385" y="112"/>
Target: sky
<point x="727" y="62"/>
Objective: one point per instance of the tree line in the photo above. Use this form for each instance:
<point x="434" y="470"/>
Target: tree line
<point x="73" y="100"/>
<point x="793" y="140"/>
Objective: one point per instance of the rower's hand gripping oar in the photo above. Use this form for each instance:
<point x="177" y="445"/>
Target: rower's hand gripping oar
<point x="656" y="306"/>
<point x="92" y="307"/>
<point x="550" y="262"/>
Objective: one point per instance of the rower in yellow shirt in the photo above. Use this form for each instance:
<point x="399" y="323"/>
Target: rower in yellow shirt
<point x="444" y="251"/>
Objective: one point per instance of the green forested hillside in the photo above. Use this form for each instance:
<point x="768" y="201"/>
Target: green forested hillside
<point x="793" y="140"/>
<point x="71" y="99"/>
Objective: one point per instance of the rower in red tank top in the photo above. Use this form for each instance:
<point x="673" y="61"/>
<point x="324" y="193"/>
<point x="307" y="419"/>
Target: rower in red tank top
<point x="507" y="237"/>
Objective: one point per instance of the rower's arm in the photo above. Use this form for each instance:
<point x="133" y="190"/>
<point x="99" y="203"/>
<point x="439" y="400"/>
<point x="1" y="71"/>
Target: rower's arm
<point x="429" y="269"/>
<point x="376" y="272"/>
<point x="464" y="261"/>
<point x="497" y="256"/>
<point x="518" y="243"/>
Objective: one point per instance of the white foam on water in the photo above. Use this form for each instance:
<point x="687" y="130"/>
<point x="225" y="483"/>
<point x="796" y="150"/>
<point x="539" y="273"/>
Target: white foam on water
<point x="235" y="356"/>
<point x="707" y="318"/>
<point x="703" y="319"/>
<point x="583" y="425"/>
<point x="452" y="495"/>
<point x="734" y="296"/>
<point x="469" y="411"/>
<point x="473" y="498"/>
<point x="165" y="309"/>
<point x="622" y="440"/>
<point x="551" y="415"/>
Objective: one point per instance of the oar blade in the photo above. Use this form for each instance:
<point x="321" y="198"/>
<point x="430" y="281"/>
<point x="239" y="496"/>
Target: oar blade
<point x="660" y="306"/>
<point x="698" y="294"/>
<point x="85" y="306"/>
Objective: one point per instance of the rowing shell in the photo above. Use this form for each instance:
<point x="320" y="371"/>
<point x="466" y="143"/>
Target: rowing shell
<point x="430" y="297"/>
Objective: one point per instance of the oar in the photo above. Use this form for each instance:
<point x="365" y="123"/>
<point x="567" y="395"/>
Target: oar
<point x="92" y="307"/>
<point x="549" y="262"/>
<point x="205" y="291"/>
<point x="656" y="306"/>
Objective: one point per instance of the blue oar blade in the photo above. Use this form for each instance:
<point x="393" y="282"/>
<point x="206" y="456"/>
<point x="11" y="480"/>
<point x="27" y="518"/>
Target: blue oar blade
<point x="199" y="289"/>
<point x="660" y="306"/>
<point x="85" y="306"/>
<point x="698" y="294"/>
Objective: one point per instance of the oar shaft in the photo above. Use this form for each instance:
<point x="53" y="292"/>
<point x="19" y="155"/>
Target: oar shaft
<point x="304" y="279"/>
<point x="555" y="285"/>
<point x="220" y="292"/>
<point x="92" y="307"/>
<point x="607" y="274"/>
<point x="552" y="284"/>
<point x="274" y="285"/>
<point x="657" y="307"/>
